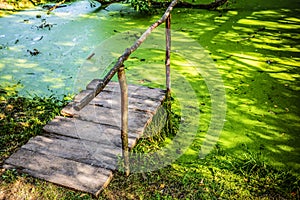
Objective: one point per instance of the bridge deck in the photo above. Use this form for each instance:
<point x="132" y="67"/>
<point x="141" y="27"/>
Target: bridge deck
<point x="81" y="151"/>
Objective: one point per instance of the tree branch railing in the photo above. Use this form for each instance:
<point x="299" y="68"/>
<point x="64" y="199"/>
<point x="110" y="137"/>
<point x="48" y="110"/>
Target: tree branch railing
<point x="98" y="85"/>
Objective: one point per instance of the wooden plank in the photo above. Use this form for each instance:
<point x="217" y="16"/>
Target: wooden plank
<point x="85" y="130"/>
<point x="95" y="85"/>
<point x="83" y="98"/>
<point x="137" y="121"/>
<point x="68" y="110"/>
<point x="82" y="151"/>
<point x="61" y="171"/>
<point x="112" y="100"/>
<point x="138" y="91"/>
<point x="140" y="98"/>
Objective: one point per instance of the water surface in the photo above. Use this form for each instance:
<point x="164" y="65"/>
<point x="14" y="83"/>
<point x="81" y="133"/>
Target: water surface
<point x="45" y="52"/>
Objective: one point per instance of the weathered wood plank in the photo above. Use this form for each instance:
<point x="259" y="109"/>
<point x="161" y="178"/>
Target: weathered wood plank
<point x="85" y="130"/>
<point x="137" y="121"/>
<point x="72" y="149"/>
<point x="95" y="85"/>
<point x="140" y="98"/>
<point x="100" y="155"/>
<point x="61" y="171"/>
<point x="112" y="100"/>
<point x="83" y="98"/>
<point x="68" y="110"/>
<point x="138" y="91"/>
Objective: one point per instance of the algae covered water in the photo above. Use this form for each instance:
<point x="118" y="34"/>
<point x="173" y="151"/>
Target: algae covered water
<point x="44" y="52"/>
<point x="254" y="45"/>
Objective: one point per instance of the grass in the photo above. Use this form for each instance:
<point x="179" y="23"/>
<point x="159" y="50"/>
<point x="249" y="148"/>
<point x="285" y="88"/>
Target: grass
<point x="22" y="118"/>
<point x="255" y="46"/>
<point x="220" y="175"/>
<point x="217" y="176"/>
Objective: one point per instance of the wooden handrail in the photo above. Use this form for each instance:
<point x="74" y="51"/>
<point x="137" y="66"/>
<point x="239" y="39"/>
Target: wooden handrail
<point x="119" y="68"/>
<point x="122" y="79"/>
<point x="143" y="37"/>
<point x="128" y="52"/>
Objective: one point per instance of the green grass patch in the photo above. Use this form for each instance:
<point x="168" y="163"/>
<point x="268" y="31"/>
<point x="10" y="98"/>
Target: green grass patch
<point x="218" y="176"/>
<point x="22" y="118"/>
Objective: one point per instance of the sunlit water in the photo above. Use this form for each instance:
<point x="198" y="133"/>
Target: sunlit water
<point x="45" y="53"/>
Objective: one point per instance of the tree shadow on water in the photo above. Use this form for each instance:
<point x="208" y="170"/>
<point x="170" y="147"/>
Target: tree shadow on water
<point x="257" y="52"/>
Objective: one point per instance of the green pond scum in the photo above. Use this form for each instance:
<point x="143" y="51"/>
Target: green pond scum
<point x="255" y="46"/>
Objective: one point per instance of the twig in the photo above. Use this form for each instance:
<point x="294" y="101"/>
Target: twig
<point x="90" y="56"/>
<point x="55" y="6"/>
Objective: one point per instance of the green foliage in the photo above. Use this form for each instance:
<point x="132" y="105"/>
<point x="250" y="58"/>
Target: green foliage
<point x="22" y="118"/>
<point x="263" y="178"/>
<point x="252" y="173"/>
<point x="141" y="6"/>
<point x="9" y="176"/>
<point x="23" y="4"/>
<point x="159" y="130"/>
<point x="219" y="176"/>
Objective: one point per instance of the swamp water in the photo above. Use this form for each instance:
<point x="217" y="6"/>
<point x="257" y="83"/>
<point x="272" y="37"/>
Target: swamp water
<point x="46" y="53"/>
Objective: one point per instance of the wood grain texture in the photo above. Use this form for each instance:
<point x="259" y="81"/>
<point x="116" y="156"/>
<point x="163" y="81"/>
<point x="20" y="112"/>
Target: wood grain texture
<point x="90" y="131"/>
<point x="61" y="171"/>
<point x="82" y="151"/>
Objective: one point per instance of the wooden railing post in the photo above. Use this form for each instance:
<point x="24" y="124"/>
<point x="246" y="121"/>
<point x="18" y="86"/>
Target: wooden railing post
<point x="168" y="54"/>
<point x="124" y="117"/>
<point x="168" y="74"/>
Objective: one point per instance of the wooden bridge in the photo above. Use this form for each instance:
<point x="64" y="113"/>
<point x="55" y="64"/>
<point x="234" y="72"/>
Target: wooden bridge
<point x="80" y="150"/>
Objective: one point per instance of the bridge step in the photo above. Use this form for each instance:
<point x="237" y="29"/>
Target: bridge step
<point x="81" y="151"/>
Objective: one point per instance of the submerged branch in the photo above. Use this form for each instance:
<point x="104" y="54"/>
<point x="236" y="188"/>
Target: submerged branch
<point x="181" y="4"/>
<point x="210" y="6"/>
<point x="57" y="5"/>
